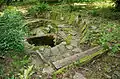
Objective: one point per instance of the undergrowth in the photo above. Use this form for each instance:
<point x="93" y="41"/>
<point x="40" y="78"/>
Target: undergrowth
<point x="12" y="31"/>
<point x="39" y="8"/>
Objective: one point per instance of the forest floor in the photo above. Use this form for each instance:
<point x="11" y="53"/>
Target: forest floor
<point x="106" y="66"/>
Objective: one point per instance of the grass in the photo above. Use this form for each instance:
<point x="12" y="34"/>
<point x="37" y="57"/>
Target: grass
<point x="95" y="16"/>
<point x="12" y="64"/>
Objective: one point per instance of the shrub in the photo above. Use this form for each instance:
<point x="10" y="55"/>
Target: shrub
<point x="39" y="8"/>
<point x="106" y="34"/>
<point x="12" y="31"/>
<point x="110" y="38"/>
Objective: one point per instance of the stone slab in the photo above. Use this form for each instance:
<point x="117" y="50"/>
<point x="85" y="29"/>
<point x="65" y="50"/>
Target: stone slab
<point x="64" y="62"/>
<point x="78" y="76"/>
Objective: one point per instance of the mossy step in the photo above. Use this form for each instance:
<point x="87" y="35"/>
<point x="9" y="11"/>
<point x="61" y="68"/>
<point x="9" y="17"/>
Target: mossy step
<point x="66" y="61"/>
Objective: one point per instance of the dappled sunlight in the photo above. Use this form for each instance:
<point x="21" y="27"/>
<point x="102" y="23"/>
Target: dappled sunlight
<point x="103" y="4"/>
<point x="51" y="38"/>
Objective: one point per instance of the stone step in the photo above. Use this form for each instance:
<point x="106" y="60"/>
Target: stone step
<point x="68" y="60"/>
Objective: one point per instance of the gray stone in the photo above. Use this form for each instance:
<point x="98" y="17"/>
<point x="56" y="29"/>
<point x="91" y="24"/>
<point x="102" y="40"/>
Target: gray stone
<point x="62" y="48"/>
<point x="64" y="43"/>
<point x="78" y="76"/>
<point x="73" y="33"/>
<point x="41" y="49"/>
<point x="48" y="70"/>
<point x="38" y="32"/>
<point x="55" y="50"/>
<point x="117" y="73"/>
<point x="68" y="60"/>
<point x="66" y="54"/>
<point x="47" y="53"/>
<point x="93" y="27"/>
<point x="53" y="58"/>
<point x="62" y="34"/>
<point x="69" y="47"/>
<point x="107" y="76"/>
<point x="63" y="26"/>
<point x="62" y="18"/>
<point x="76" y="50"/>
<point x="74" y="43"/>
<point x="36" y="60"/>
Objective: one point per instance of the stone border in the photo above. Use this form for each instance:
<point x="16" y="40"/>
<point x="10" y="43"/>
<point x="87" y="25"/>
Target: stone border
<point x="66" y="61"/>
<point x="89" y="55"/>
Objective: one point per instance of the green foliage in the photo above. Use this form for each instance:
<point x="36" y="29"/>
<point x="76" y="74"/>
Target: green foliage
<point x="68" y="39"/>
<point x="69" y="1"/>
<point x="107" y="36"/>
<point x="12" y="31"/>
<point x="39" y="8"/>
<point x="27" y="73"/>
<point x="110" y="38"/>
<point x="1" y="1"/>
<point x="20" y="62"/>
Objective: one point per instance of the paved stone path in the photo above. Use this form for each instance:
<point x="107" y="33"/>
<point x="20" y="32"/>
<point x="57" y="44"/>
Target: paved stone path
<point x="61" y="54"/>
<point x="61" y="51"/>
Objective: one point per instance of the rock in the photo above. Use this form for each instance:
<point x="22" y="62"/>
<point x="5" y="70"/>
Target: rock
<point x="47" y="53"/>
<point x="62" y="34"/>
<point x="64" y="43"/>
<point x="67" y="53"/>
<point x="48" y="70"/>
<point x="38" y="32"/>
<point x="107" y="76"/>
<point x="73" y="33"/>
<point x="63" y="26"/>
<point x="93" y="27"/>
<point x="55" y="50"/>
<point x="78" y="76"/>
<point x="62" y="18"/>
<point x="117" y="73"/>
<point x="50" y="26"/>
<point x="36" y="61"/>
<point x="74" y="43"/>
<point x="62" y="48"/>
<point x="68" y="60"/>
<point x="69" y="47"/>
<point x="76" y="50"/>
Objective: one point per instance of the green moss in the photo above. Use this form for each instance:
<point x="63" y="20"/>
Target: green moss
<point x="81" y="62"/>
<point x="71" y="19"/>
<point x="90" y="57"/>
<point x="68" y="39"/>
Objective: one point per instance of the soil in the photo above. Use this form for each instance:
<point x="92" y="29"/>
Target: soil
<point x="105" y="67"/>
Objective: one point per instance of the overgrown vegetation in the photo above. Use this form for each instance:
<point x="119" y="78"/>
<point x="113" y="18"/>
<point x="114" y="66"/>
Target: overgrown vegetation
<point x="12" y="31"/>
<point x="101" y="28"/>
<point x="39" y="9"/>
<point x="110" y="37"/>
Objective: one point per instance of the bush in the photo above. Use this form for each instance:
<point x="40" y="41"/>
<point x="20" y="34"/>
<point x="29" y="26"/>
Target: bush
<point x="39" y="8"/>
<point x="12" y="31"/>
<point x="110" y="38"/>
<point x="106" y="34"/>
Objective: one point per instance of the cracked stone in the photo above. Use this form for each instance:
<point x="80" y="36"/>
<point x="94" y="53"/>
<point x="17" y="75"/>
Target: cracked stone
<point x="74" y="43"/>
<point x="62" y="34"/>
<point x="62" y="48"/>
<point x="47" y="53"/>
<point x="48" y="70"/>
<point x="69" y="47"/>
<point x="76" y="50"/>
<point x="55" y="50"/>
<point x="73" y="33"/>
<point x="78" y="76"/>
